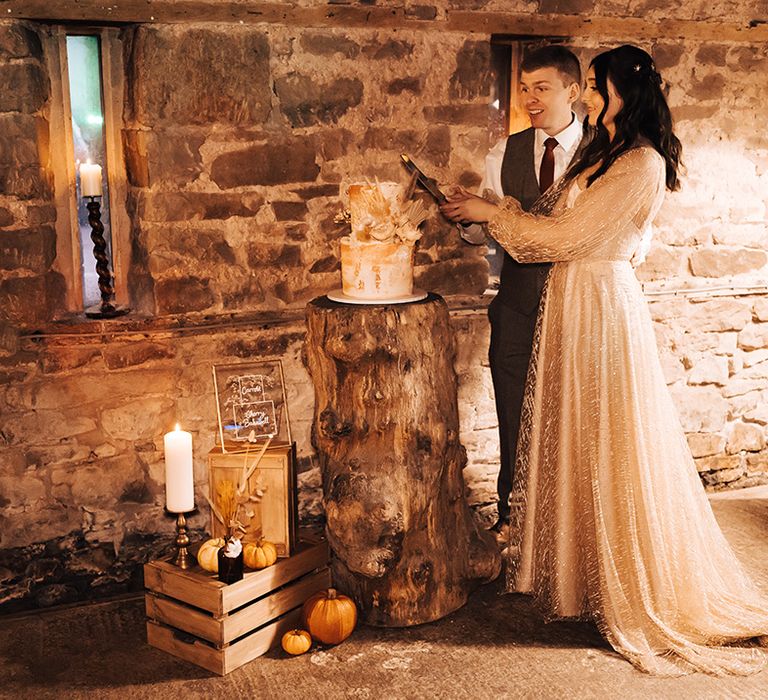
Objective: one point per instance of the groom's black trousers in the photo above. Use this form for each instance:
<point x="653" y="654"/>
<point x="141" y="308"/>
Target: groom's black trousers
<point x="509" y="354"/>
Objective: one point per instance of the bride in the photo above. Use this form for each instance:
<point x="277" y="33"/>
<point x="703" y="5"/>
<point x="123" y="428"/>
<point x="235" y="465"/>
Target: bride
<point x="616" y="526"/>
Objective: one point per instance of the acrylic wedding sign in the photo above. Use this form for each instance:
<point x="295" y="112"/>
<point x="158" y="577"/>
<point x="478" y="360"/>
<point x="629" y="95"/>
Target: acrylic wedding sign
<point x="250" y="403"/>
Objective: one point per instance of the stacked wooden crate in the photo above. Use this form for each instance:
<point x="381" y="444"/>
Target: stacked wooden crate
<point x="194" y="616"/>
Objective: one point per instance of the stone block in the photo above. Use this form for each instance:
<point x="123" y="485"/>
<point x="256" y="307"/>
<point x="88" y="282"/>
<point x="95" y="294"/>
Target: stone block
<point x="136" y="161"/>
<point x="717" y="315"/>
<point x="746" y="437"/>
<point x="745" y="235"/>
<point x="189" y="206"/>
<point x="709" y="370"/>
<point x="180" y="75"/>
<point x="667" y="55"/>
<point x="718" y="463"/>
<point x="18" y="41"/>
<point x="473" y="76"/>
<point x="9" y="340"/>
<point x="757" y="463"/>
<point x="289" y="211"/>
<point x="700" y="409"/>
<point x="41" y="214"/>
<point x="423" y="12"/>
<point x="392" y="48"/>
<point x="306" y="102"/>
<point x="330" y="263"/>
<point x="292" y="160"/>
<point x="137" y="420"/>
<point x="756" y="357"/>
<point x="749" y="60"/>
<point x="705" y="444"/>
<point x="332" y="144"/>
<point x="24" y="300"/>
<point x="31" y="249"/>
<point x="757" y="415"/>
<point x="720" y="261"/>
<point x="279" y="256"/>
<point x="23" y="87"/>
<point x="133" y="354"/>
<point x="456" y="276"/>
<point x="329" y="44"/>
<point x="738" y="385"/>
<point x="64" y="358"/>
<point x="471" y="114"/>
<point x="296" y="232"/>
<point x="437" y="148"/>
<point x="754" y="337"/>
<point x="386" y="139"/>
<point x="6" y="217"/>
<point x="22" y="137"/>
<point x="712" y="54"/>
<point x="406" y="84"/>
<point x="709" y="87"/>
<point x="663" y="262"/>
<point x="315" y="191"/>
<point x="760" y="309"/>
<point x="176" y="295"/>
<point x="723" y="476"/>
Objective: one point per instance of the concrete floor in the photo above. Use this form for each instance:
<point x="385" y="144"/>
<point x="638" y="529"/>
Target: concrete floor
<point x="495" y="647"/>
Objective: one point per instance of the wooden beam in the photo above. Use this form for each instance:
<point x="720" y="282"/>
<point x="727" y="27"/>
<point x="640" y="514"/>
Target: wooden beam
<point x="372" y="17"/>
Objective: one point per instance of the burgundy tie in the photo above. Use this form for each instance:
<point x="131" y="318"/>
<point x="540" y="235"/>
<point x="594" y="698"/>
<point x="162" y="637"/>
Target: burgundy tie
<point x="547" y="172"/>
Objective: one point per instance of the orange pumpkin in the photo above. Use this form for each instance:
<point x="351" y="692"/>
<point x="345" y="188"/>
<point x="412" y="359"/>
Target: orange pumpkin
<point x="329" y="616"/>
<point x="259" y="555"/>
<point x="208" y="554"/>
<point x="296" y="642"/>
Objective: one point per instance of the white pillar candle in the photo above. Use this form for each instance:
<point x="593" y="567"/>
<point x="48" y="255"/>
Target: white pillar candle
<point x="179" y="473"/>
<point x="90" y="180"/>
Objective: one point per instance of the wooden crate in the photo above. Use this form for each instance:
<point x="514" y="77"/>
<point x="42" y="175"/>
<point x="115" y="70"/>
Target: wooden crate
<point x="220" y="627"/>
<point x="275" y="515"/>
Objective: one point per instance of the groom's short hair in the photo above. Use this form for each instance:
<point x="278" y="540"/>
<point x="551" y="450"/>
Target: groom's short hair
<point x="557" y="57"/>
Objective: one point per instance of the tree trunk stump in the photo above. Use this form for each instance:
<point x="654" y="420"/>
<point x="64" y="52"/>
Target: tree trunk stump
<point x="386" y="430"/>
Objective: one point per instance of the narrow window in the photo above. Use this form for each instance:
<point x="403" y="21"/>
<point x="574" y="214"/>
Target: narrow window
<point x="85" y="99"/>
<point x="86" y="107"/>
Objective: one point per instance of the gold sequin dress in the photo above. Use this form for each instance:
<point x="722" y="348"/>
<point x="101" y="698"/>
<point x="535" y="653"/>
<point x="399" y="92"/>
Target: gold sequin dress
<point x="616" y="526"/>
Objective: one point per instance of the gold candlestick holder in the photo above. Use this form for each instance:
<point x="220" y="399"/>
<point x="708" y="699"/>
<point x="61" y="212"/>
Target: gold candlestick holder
<point x="184" y="559"/>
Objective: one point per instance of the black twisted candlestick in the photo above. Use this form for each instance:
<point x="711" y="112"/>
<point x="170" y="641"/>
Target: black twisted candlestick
<point x="106" y="309"/>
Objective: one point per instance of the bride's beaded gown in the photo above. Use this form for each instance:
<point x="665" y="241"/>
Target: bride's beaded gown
<point x="616" y="526"/>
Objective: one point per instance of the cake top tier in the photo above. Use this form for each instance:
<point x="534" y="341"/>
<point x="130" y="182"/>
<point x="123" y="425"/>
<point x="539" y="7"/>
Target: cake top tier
<point x="379" y="212"/>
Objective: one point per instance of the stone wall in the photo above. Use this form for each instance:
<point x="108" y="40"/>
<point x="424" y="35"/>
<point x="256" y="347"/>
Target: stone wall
<point x="240" y="140"/>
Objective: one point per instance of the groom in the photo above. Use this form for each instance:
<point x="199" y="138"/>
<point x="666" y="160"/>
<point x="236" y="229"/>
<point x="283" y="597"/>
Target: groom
<point x="523" y="166"/>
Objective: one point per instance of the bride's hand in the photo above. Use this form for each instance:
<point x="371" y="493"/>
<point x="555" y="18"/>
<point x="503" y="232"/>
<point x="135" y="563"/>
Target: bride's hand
<point x="465" y="208"/>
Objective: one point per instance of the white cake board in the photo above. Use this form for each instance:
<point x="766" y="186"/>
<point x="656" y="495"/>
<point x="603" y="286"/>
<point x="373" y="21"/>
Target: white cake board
<point x="339" y="296"/>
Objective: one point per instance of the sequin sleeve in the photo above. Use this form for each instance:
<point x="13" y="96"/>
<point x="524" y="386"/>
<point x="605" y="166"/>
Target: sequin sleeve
<point x="614" y="201"/>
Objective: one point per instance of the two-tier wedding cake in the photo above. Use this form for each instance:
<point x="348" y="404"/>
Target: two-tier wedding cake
<point x="377" y="256"/>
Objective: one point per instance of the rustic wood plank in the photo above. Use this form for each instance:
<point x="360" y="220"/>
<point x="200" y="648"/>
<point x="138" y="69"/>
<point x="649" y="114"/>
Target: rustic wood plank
<point x="630" y="28"/>
<point x="260" y="642"/>
<point x="220" y="631"/>
<point x="193" y="586"/>
<point x="203" y="590"/>
<point x="478" y="22"/>
<point x="269" y="607"/>
<point x="165" y="639"/>
<point x="185" y="618"/>
<point x="258" y="583"/>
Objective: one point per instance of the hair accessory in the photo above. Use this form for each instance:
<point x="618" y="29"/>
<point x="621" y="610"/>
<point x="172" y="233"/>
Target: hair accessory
<point x="636" y="68"/>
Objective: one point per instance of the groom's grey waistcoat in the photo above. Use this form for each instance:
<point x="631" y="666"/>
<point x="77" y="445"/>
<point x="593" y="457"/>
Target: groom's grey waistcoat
<point x="520" y="284"/>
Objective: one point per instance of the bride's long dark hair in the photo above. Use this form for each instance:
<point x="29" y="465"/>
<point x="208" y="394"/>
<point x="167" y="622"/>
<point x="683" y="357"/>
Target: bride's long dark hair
<point x="644" y="114"/>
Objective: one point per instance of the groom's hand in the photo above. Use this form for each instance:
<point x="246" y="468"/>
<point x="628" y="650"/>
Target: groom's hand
<point x="465" y="208"/>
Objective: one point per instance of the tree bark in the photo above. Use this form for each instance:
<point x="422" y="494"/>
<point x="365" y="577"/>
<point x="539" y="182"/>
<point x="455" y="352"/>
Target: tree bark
<point x="386" y="429"/>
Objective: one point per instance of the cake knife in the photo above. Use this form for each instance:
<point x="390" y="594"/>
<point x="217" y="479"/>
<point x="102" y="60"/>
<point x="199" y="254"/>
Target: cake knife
<point x="427" y="183"/>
